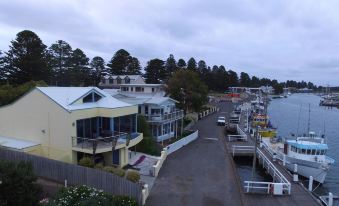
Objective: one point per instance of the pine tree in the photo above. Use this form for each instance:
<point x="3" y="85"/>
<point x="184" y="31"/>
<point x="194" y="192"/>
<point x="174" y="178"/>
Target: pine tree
<point x="181" y="64"/>
<point x="2" y="69"/>
<point x="245" y="80"/>
<point x="59" y="56"/>
<point x="119" y="62"/>
<point x="98" y="70"/>
<point x="155" y="71"/>
<point x="202" y="66"/>
<point x="26" y="59"/>
<point x="170" y="66"/>
<point x="192" y="64"/>
<point x="79" y="72"/>
<point x="133" y="67"/>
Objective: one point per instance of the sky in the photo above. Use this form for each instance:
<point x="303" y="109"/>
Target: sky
<point x="278" y="39"/>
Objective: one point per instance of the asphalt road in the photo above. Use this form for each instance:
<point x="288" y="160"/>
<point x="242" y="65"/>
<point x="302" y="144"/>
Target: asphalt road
<point x="200" y="173"/>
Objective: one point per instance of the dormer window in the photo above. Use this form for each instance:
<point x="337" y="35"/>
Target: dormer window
<point x="110" y="80"/>
<point x="127" y="80"/>
<point x="118" y="80"/>
<point x="91" y="97"/>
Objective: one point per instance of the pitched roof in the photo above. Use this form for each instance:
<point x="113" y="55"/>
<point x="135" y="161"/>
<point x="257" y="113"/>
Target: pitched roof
<point x="133" y="77"/>
<point x="14" y="143"/>
<point x="67" y="96"/>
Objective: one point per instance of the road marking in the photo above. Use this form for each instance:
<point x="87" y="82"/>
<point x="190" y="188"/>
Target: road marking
<point x="215" y="139"/>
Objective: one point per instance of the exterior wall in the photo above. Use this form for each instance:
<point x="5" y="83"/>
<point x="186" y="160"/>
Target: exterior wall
<point x="37" y="118"/>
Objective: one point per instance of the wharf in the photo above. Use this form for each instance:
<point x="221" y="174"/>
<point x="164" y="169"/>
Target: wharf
<point x="299" y="195"/>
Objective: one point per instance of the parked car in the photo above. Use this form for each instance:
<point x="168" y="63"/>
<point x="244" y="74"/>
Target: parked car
<point x="221" y="121"/>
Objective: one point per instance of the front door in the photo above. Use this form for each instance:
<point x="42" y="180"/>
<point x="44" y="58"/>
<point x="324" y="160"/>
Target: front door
<point x="116" y="157"/>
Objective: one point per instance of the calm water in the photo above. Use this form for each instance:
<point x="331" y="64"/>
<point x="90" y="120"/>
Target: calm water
<point x="284" y="114"/>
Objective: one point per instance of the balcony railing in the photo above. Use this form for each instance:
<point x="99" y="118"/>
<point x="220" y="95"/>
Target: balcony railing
<point x="164" y="117"/>
<point x="107" y="140"/>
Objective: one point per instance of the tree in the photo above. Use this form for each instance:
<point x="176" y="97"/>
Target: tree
<point x="245" y="80"/>
<point x="202" y="66"/>
<point x="186" y="87"/>
<point x="233" y="80"/>
<point x="18" y="185"/>
<point x="147" y="144"/>
<point x="3" y="75"/>
<point x="79" y="72"/>
<point x="170" y="66"/>
<point x="181" y="64"/>
<point x="26" y="59"/>
<point x="119" y="62"/>
<point x="98" y="69"/>
<point x="192" y="64"/>
<point x="155" y="71"/>
<point x="133" y="67"/>
<point x="59" y="56"/>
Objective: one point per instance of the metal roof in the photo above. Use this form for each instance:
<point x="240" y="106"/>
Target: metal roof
<point x="14" y="143"/>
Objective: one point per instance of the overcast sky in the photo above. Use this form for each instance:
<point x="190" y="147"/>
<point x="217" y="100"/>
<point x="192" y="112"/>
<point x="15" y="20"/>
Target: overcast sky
<point x="281" y="39"/>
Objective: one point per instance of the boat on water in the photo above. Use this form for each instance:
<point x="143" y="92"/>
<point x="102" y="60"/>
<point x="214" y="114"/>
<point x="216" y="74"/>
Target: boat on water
<point x="308" y="152"/>
<point x="265" y="128"/>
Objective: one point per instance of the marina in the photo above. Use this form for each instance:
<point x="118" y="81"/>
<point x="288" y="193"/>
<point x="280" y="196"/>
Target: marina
<point x="280" y="166"/>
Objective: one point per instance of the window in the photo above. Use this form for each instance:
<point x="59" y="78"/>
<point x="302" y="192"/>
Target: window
<point x="103" y="81"/>
<point x="92" y="97"/>
<point x="153" y="89"/>
<point x="110" y="80"/>
<point x="131" y="89"/>
<point x="303" y="151"/>
<point x="125" y="89"/>
<point x="313" y="152"/>
<point x="118" y="80"/>
<point x="139" y="89"/>
<point x="127" y="80"/>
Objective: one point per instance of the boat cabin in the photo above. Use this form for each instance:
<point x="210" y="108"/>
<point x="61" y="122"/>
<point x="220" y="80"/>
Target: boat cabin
<point x="306" y="150"/>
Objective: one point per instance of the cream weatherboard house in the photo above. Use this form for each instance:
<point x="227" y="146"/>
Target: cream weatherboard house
<point x="65" y="123"/>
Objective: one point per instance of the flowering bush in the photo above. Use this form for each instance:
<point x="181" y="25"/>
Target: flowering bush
<point x="87" y="196"/>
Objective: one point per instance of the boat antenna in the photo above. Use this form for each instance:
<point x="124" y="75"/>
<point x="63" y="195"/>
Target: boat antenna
<point x="299" y="120"/>
<point x="309" y="118"/>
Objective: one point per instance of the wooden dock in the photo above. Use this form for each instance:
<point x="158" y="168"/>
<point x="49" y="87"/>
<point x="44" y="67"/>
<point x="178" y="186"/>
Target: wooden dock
<point x="296" y="194"/>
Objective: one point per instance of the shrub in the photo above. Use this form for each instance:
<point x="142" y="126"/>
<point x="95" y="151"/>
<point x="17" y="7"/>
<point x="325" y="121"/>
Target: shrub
<point x="87" y="196"/>
<point x="99" y="166"/>
<point x="18" y="185"/>
<point x="117" y="171"/>
<point x="133" y="176"/>
<point x="86" y="162"/>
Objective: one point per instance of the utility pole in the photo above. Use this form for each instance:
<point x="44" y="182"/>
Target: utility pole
<point x="255" y="152"/>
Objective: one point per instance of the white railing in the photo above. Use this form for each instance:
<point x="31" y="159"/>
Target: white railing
<point x="278" y="155"/>
<point x="158" y="165"/>
<point x="275" y="173"/>
<point x="236" y="148"/>
<point x="241" y="136"/>
<point x="182" y="142"/>
<point x="265" y="187"/>
<point x="163" y="117"/>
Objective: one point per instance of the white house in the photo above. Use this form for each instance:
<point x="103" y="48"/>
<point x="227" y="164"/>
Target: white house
<point x="114" y="81"/>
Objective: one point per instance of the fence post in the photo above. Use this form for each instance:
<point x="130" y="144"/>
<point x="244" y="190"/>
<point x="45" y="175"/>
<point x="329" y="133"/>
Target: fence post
<point x="310" y="184"/>
<point x="330" y="199"/>
<point x="65" y="183"/>
<point x="284" y="160"/>
<point x="295" y="174"/>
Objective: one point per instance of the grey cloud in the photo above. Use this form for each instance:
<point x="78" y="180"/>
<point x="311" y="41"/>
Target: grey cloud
<point x="282" y="39"/>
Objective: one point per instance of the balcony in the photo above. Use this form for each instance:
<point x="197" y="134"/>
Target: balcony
<point x="159" y="118"/>
<point x="105" y="143"/>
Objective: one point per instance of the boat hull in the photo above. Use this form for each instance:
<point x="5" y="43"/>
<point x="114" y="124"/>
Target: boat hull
<point x="307" y="169"/>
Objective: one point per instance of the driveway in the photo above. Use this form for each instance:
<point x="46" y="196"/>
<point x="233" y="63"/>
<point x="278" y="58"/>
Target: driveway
<point x="200" y="173"/>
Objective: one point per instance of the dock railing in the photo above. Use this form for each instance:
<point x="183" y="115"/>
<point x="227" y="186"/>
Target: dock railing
<point x="278" y="178"/>
<point x="237" y="137"/>
<point x="242" y="149"/>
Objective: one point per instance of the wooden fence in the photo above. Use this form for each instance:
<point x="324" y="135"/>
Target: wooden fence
<point x="76" y="175"/>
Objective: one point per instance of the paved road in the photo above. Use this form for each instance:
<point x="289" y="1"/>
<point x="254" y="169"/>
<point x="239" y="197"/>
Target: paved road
<point x="200" y="173"/>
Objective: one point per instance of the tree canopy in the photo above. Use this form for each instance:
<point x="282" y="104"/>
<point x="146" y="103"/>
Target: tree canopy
<point x="155" y="71"/>
<point x="186" y="87"/>
<point x="26" y="59"/>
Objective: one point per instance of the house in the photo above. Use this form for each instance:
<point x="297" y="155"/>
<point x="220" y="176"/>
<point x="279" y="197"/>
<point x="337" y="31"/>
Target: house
<point x="114" y="81"/>
<point x="165" y="120"/>
<point x="66" y="123"/>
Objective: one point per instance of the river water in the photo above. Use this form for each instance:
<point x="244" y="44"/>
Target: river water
<point x="290" y="115"/>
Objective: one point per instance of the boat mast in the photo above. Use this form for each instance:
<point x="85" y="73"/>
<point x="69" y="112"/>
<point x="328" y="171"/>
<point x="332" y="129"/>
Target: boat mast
<point x="309" y="119"/>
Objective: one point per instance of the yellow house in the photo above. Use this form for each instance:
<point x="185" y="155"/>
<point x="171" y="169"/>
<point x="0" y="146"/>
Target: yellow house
<point x="66" y="123"/>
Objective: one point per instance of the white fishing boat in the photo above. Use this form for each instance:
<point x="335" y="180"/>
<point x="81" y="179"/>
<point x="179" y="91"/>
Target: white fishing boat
<point x="308" y="152"/>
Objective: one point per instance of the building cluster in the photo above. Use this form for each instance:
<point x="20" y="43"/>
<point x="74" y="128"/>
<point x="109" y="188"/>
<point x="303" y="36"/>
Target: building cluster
<point x="66" y="123"/>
